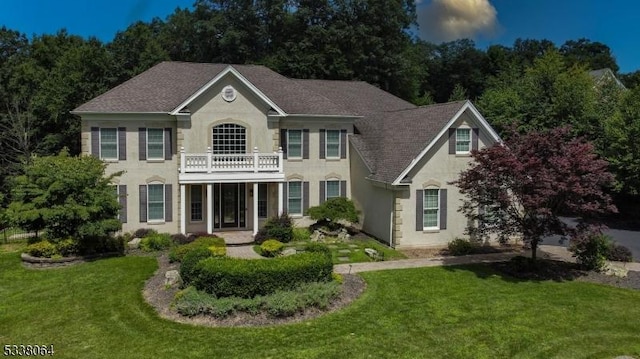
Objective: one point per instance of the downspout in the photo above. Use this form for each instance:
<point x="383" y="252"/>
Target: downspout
<point x="393" y="200"/>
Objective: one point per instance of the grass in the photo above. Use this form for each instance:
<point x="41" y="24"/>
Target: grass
<point x="96" y="310"/>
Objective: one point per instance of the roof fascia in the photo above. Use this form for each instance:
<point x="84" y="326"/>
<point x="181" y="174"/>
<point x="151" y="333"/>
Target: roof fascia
<point x="238" y="75"/>
<point x="80" y="113"/>
<point x="467" y="105"/>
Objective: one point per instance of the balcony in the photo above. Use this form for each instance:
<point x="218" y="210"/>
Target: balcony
<point x="209" y="167"/>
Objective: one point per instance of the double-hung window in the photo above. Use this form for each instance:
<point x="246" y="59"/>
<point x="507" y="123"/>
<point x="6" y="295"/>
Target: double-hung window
<point x="294" y="198"/>
<point x="109" y="143"/>
<point x="333" y="143"/>
<point x="332" y="189"/>
<point x="196" y="203"/>
<point x="431" y="209"/>
<point x="155" y="202"/>
<point x="463" y="140"/>
<point x="155" y="143"/>
<point x="294" y="143"/>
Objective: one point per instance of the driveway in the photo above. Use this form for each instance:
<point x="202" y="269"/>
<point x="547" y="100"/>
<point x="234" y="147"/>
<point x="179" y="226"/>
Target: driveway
<point x="629" y="239"/>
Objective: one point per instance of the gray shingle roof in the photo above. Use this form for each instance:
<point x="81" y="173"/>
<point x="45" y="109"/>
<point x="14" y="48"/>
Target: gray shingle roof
<point x="389" y="141"/>
<point x="165" y="86"/>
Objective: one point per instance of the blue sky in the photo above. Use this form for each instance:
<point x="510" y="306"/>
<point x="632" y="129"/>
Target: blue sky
<point x="613" y="22"/>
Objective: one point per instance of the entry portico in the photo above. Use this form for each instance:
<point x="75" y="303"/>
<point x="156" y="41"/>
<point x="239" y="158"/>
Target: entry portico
<point x="238" y="186"/>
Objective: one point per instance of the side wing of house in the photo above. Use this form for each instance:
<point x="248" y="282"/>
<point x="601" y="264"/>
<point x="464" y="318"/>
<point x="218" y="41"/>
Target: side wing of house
<point x="427" y="208"/>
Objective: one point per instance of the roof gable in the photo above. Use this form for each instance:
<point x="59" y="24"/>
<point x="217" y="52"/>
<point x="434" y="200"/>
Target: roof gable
<point x="392" y="143"/>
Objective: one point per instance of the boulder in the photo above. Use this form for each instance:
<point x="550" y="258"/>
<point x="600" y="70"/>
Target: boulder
<point x="615" y="271"/>
<point x="317" y="236"/>
<point x="372" y="253"/>
<point x="134" y="243"/>
<point x="172" y="278"/>
<point x="343" y="235"/>
<point x="289" y="252"/>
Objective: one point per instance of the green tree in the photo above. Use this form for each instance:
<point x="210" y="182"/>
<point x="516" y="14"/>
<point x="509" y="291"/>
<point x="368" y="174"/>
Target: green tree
<point x="458" y="94"/>
<point x="623" y="148"/>
<point x="591" y="54"/>
<point x="67" y="197"/>
<point x="335" y="209"/>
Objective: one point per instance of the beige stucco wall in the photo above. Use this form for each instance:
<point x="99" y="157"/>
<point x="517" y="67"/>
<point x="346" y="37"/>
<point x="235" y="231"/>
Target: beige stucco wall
<point x="315" y="169"/>
<point x="435" y="170"/>
<point x="374" y="202"/>
<point x="138" y="172"/>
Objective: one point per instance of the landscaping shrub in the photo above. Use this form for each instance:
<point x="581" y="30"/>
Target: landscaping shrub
<point x="271" y="248"/>
<point x="191" y="302"/>
<point x="67" y="247"/>
<point x="619" y="253"/>
<point x="301" y="234"/>
<point x="180" y="239"/>
<point x="335" y="209"/>
<point x="190" y="261"/>
<point x="246" y="278"/>
<point x="176" y="254"/>
<point x="591" y="250"/>
<point x="279" y="227"/>
<point x="101" y="244"/>
<point x="156" y="242"/>
<point x="460" y="247"/>
<point x="144" y="232"/>
<point x="337" y="277"/>
<point x="43" y="249"/>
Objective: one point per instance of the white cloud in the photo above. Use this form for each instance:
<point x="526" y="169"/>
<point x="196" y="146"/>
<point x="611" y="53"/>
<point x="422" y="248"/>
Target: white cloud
<point x="448" y="20"/>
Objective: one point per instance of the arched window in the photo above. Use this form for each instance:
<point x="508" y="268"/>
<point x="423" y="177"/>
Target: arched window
<point x="229" y="138"/>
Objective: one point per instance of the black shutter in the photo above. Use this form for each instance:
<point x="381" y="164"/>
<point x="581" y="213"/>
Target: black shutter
<point x="122" y="144"/>
<point x="322" y="193"/>
<point x="419" y="210"/>
<point x="142" y="144"/>
<point x="343" y="188"/>
<point x="343" y="143"/>
<point x="283" y="142"/>
<point x="474" y="138"/>
<point x="305" y="197"/>
<point x="143" y="203"/>
<point x="305" y="144"/>
<point x="122" y="199"/>
<point x="168" y="203"/>
<point x="322" y="143"/>
<point x="452" y="141"/>
<point x="168" y="144"/>
<point x="443" y="209"/>
<point x="95" y="141"/>
<point x="285" y="197"/>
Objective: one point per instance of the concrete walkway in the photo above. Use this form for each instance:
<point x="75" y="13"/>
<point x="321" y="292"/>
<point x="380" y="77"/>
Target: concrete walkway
<point x="545" y="251"/>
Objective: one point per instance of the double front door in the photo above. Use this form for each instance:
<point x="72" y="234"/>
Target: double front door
<point x="229" y="205"/>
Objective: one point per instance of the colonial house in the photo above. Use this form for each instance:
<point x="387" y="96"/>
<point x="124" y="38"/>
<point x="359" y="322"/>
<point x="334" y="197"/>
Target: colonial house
<point x="213" y="147"/>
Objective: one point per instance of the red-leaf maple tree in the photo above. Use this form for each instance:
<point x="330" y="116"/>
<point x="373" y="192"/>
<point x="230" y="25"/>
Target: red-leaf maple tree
<point x="522" y="186"/>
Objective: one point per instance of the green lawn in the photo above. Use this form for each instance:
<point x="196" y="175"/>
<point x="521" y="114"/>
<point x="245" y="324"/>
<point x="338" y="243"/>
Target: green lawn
<point x="96" y="310"/>
<point x="353" y="251"/>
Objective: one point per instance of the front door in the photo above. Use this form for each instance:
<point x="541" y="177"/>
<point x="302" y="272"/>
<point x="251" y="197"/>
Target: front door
<point x="231" y="205"/>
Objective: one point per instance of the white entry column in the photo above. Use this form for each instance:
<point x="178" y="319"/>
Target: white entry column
<point x="255" y="208"/>
<point x="209" y="208"/>
<point x="183" y="215"/>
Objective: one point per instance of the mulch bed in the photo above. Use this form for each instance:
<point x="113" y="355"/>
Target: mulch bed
<point x="563" y="271"/>
<point x="160" y="297"/>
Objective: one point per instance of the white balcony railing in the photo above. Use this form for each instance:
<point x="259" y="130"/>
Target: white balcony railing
<point x="242" y="162"/>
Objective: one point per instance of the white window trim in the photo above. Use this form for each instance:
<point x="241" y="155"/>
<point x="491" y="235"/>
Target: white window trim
<point x="424" y="208"/>
<point x="301" y="144"/>
<point x="191" y="220"/>
<point x="148" y="153"/>
<point x="470" y="141"/>
<point x="326" y="144"/>
<point x="117" y="144"/>
<point x="301" y="198"/>
<point x="164" y="205"/>
<point x="326" y="189"/>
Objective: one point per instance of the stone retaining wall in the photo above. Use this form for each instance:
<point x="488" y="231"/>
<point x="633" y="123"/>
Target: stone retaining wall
<point x="37" y="262"/>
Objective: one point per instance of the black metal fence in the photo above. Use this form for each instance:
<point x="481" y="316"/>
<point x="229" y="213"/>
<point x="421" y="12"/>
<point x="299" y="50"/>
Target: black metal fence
<point x="11" y="234"/>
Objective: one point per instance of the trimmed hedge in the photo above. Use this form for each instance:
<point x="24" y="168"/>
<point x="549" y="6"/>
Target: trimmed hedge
<point x="176" y="254"/>
<point x="156" y="242"/>
<point x="190" y="261"/>
<point x="43" y="249"/>
<point x="245" y="278"/>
